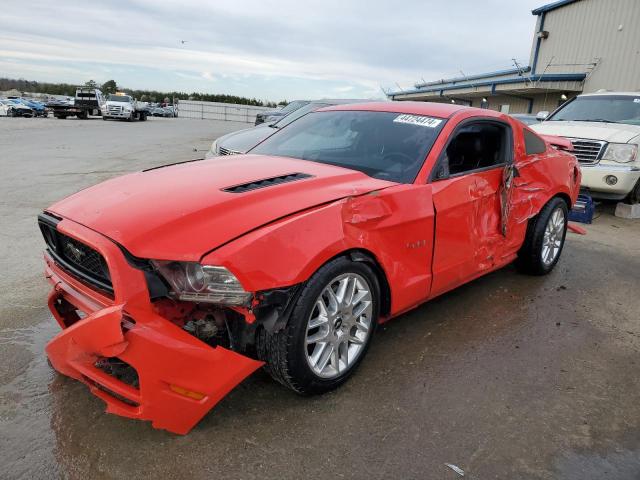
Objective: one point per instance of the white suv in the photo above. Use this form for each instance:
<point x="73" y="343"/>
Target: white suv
<point x="604" y="129"/>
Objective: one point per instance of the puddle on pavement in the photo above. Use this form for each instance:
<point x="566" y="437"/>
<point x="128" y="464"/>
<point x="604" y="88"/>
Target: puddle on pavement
<point x="25" y="403"/>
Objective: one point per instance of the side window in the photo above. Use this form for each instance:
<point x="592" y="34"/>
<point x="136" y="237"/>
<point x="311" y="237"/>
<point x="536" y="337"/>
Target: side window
<point x="533" y="144"/>
<point x="477" y="145"/>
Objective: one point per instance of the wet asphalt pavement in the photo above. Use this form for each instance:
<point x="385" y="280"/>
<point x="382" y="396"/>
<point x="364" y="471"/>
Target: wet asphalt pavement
<point x="508" y="377"/>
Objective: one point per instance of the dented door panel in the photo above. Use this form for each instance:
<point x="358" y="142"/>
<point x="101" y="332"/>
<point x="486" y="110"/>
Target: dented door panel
<point x="468" y="227"/>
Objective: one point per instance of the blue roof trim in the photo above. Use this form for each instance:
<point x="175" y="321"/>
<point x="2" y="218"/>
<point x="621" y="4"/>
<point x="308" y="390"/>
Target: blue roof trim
<point x="552" y="6"/>
<point x="497" y="73"/>
<point x="551" y="77"/>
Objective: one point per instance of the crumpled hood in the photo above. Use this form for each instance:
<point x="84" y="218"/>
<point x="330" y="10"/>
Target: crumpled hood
<point x="180" y="212"/>
<point x="244" y="140"/>
<point x="610" y="132"/>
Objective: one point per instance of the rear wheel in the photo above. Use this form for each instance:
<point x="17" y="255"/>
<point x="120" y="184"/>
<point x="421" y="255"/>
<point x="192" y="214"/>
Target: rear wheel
<point x="329" y="331"/>
<point x="544" y="239"/>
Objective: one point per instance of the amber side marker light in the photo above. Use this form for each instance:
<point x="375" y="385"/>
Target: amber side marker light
<point x="186" y="393"/>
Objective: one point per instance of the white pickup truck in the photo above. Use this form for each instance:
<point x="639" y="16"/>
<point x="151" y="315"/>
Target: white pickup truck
<point x="124" y="107"/>
<point x="604" y="128"/>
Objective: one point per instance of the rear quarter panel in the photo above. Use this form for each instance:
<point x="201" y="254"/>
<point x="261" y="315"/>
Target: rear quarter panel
<point x="541" y="177"/>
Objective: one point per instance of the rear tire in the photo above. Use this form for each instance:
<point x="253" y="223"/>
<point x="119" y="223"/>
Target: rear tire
<point x="301" y="363"/>
<point x="544" y="239"/>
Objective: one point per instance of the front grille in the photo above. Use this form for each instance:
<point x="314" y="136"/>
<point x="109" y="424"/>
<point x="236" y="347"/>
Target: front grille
<point x="588" y="151"/>
<point x="78" y="259"/>
<point x="115" y="109"/>
<point x="226" y="151"/>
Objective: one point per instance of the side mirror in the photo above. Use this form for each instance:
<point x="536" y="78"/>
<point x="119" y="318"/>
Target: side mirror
<point x="542" y="115"/>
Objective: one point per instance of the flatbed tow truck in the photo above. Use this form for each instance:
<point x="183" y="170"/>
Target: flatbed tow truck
<point x="88" y="101"/>
<point x="124" y="107"/>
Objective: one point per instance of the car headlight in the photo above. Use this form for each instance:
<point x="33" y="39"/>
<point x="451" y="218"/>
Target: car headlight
<point x="621" y="152"/>
<point x="213" y="151"/>
<point x="193" y="282"/>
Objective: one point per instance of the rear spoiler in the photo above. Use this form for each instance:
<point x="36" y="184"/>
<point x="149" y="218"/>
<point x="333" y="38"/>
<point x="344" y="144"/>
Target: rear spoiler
<point x="560" y="143"/>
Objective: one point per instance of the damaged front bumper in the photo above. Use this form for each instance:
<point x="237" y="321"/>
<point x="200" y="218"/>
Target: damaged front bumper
<point x="176" y="378"/>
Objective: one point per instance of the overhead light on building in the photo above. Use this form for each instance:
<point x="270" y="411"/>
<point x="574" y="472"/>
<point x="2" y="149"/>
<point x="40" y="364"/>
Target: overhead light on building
<point x="484" y="99"/>
<point x="563" y="97"/>
<point x="453" y="101"/>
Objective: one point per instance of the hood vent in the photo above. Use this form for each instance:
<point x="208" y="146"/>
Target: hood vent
<point x="266" y="182"/>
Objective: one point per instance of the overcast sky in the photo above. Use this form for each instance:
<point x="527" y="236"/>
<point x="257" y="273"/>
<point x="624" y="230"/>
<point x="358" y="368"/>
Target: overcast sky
<point x="265" y="49"/>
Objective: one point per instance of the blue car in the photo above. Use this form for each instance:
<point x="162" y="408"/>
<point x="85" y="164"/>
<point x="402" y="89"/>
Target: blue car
<point x="38" y="108"/>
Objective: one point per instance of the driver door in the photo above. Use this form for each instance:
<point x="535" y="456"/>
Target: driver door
<point x="471" y="187"/>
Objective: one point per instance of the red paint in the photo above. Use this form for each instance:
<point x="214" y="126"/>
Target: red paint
<point x="428" y="237"/>
<point x="576" y="229"/>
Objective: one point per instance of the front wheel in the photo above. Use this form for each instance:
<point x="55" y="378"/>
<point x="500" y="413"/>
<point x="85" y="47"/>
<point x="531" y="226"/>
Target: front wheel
<point x="634" y="195"/>
<point x="329" y="331"/>
<point x="544" y="239"/>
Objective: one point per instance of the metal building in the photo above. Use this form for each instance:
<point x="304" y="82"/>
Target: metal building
<point x="578" y="46"/>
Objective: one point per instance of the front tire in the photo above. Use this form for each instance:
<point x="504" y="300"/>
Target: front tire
<point x="634" y="196"/>
<point x="544" y="240"/>
<point x="329" y="330"/>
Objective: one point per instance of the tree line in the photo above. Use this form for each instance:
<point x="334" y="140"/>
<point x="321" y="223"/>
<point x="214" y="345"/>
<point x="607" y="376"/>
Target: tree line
<point x="143" y="95"/>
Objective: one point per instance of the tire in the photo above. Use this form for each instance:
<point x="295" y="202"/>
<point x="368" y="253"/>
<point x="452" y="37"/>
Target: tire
<point x="288" y="355"/>
<point x="534" y="257"/>
<point x="634" y="195"/>
<point x="104" y="118"/>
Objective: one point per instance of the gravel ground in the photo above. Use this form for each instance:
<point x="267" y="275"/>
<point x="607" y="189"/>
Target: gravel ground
<point x="507" y="377"/>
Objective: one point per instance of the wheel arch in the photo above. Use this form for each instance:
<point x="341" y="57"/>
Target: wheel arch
<point x="563" y="196"/>
<point x="367" y="257"/>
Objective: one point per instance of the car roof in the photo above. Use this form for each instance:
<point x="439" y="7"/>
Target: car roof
<point x="342" y="101"/>
<point x="440" y="110"/>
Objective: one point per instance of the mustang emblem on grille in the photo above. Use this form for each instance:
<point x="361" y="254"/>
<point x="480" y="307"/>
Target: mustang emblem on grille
<point x="76" y="253"/>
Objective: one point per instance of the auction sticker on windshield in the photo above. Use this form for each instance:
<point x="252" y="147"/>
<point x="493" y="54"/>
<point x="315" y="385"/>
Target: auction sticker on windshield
<point x="429" y="122"/>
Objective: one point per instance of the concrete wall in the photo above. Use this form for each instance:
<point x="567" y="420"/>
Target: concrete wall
<point x="582" y="32"/>
<point x="219" y="111"/>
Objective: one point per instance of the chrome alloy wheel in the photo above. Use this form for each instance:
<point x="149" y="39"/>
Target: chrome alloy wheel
<point x="339" y="325"/>
<point x="553" y="237"/>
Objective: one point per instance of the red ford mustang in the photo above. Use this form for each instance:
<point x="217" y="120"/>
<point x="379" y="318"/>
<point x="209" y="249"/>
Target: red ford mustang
<point x="173" y="284"/>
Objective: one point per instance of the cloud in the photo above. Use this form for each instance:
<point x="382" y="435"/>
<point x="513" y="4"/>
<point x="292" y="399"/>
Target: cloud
<point x="263" y="49"/>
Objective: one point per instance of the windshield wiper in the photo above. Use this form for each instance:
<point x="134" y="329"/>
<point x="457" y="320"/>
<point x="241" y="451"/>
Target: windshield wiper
<point x="599" y="120"/>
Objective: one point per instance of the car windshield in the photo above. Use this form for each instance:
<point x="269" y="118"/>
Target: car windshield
<point x="601" y="108"/>
<point x="292" y="106"/>
<point x="300" y="112"/>
<point x="385" y="145"/>
<point x="119" y="98"/>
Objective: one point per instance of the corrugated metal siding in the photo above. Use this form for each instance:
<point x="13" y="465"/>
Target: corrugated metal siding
<point x="586" y="30"/>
